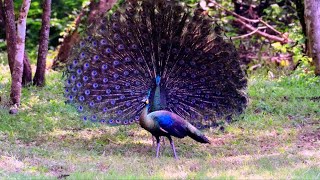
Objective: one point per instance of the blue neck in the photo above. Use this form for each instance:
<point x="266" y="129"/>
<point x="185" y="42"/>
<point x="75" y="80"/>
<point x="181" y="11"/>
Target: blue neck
<point x="145" y="111"/>
<point x="156" y="102"/>
<point x="158" y="78"/>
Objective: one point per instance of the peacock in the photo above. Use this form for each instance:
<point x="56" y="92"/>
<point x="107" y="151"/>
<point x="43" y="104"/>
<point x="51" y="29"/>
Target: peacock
<point x="164" y="123"/>
<point x="160" y="63"/>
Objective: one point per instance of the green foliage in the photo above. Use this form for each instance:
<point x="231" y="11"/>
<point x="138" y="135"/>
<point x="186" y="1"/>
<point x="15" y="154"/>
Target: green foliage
<point x="63" y="13"/>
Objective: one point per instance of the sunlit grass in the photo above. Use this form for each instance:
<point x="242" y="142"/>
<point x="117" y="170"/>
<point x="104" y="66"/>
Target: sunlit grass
<point x="277" y="137"/>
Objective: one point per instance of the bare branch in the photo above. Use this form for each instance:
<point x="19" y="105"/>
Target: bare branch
<point x="249" y="34"/>
<point x="244" y="21"/>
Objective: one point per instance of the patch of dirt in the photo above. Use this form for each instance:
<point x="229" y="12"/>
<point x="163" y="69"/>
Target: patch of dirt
<point x="309" y="139"/>
<point x="11" y="164"/>
<point x="309" y="136"/>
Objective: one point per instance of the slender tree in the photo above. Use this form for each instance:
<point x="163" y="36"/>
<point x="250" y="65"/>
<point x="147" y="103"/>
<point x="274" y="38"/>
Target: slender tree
<point x="39" y="78"/>
<point x="11" y="44"/>
<point x="10" y="32"/>
<point x="2" y="18"/>
<point x="27" y="71"/>
<point x="19" y="54"/>
<point x="312" y="19"/>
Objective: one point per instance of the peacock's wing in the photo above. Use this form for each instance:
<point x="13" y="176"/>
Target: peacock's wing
<point x="171" y="123"/>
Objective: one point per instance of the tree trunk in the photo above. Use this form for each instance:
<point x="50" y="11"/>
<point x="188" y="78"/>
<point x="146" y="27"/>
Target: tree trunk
<point x="97" y="9"/>
<point x="39" y="78"/>
<point x="300" y="12"/>
<point x="10" y="32"/>
<point x="27" y="71"/>
<point x="312" y="19"/>
<point x="2" y="18"/>
<point x="19" y="55"/>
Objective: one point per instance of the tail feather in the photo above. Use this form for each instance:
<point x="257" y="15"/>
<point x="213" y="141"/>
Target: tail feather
<point x="115" y="66"/>
<point x="197" y="135"/>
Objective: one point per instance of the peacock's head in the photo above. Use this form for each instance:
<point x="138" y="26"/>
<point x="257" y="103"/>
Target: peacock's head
<point x="145" y="100"/>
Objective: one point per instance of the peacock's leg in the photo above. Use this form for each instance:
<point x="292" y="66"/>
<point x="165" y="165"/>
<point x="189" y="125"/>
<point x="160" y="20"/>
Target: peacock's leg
<point x="153" y="140"/>
<point x="158" y="146"/>
<point x="173" y="148"/>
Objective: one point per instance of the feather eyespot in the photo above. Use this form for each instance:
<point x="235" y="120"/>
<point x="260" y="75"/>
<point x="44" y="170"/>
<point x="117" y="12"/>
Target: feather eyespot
<point x="70" y="67"/>
<point x="129" y="34"/>
<point x="117" y="87"/>
<point x="181" y="62"/>
<point x="120" y="47"/>
<point x="116" y="63"/>
<point x="115" y="75"/>
<point x="126" y="73"/>
<point x="87" y="92"/>
<point x="119" y="112"/>
<point x="134" y="46"/>
<point x="73" y="77"/>
<point x="127" y="59"/>
<point x="81" y="98"/>
<point x="96" y="57"/>
<point x="86" y="65"/>
<point x="94" y="43"/>
<point x="79" y="85"/>
<point x="108" y="91"/>
<point x="115" y="25"/>
<point x="104" y="66"/>
<point x="128" y="104"/>
<point x="74" y="89"/>
<point x="91" y="104"/>
<point x="85" y="78"/>
<point x="116" y="36"/>
<point x="94" y="117"/>
<point x="103" y="42"/>
<point x="82" y="55"/>
<point x="108" y="51"/>
<point x="79" y="71"/>
<point x="113" y="102"/>
<point x="94" y="73"/>
<point x="80" y="108"/>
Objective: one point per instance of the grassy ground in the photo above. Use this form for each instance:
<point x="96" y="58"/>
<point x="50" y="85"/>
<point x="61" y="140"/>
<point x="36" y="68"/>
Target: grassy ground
<point x="277" y="138"/>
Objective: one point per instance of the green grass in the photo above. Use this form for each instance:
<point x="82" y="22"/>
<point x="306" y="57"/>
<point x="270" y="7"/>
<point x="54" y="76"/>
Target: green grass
<point x="278" y="137"/>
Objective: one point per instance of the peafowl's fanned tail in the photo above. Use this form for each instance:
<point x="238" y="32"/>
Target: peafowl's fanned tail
<point x="115" y="66"/>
